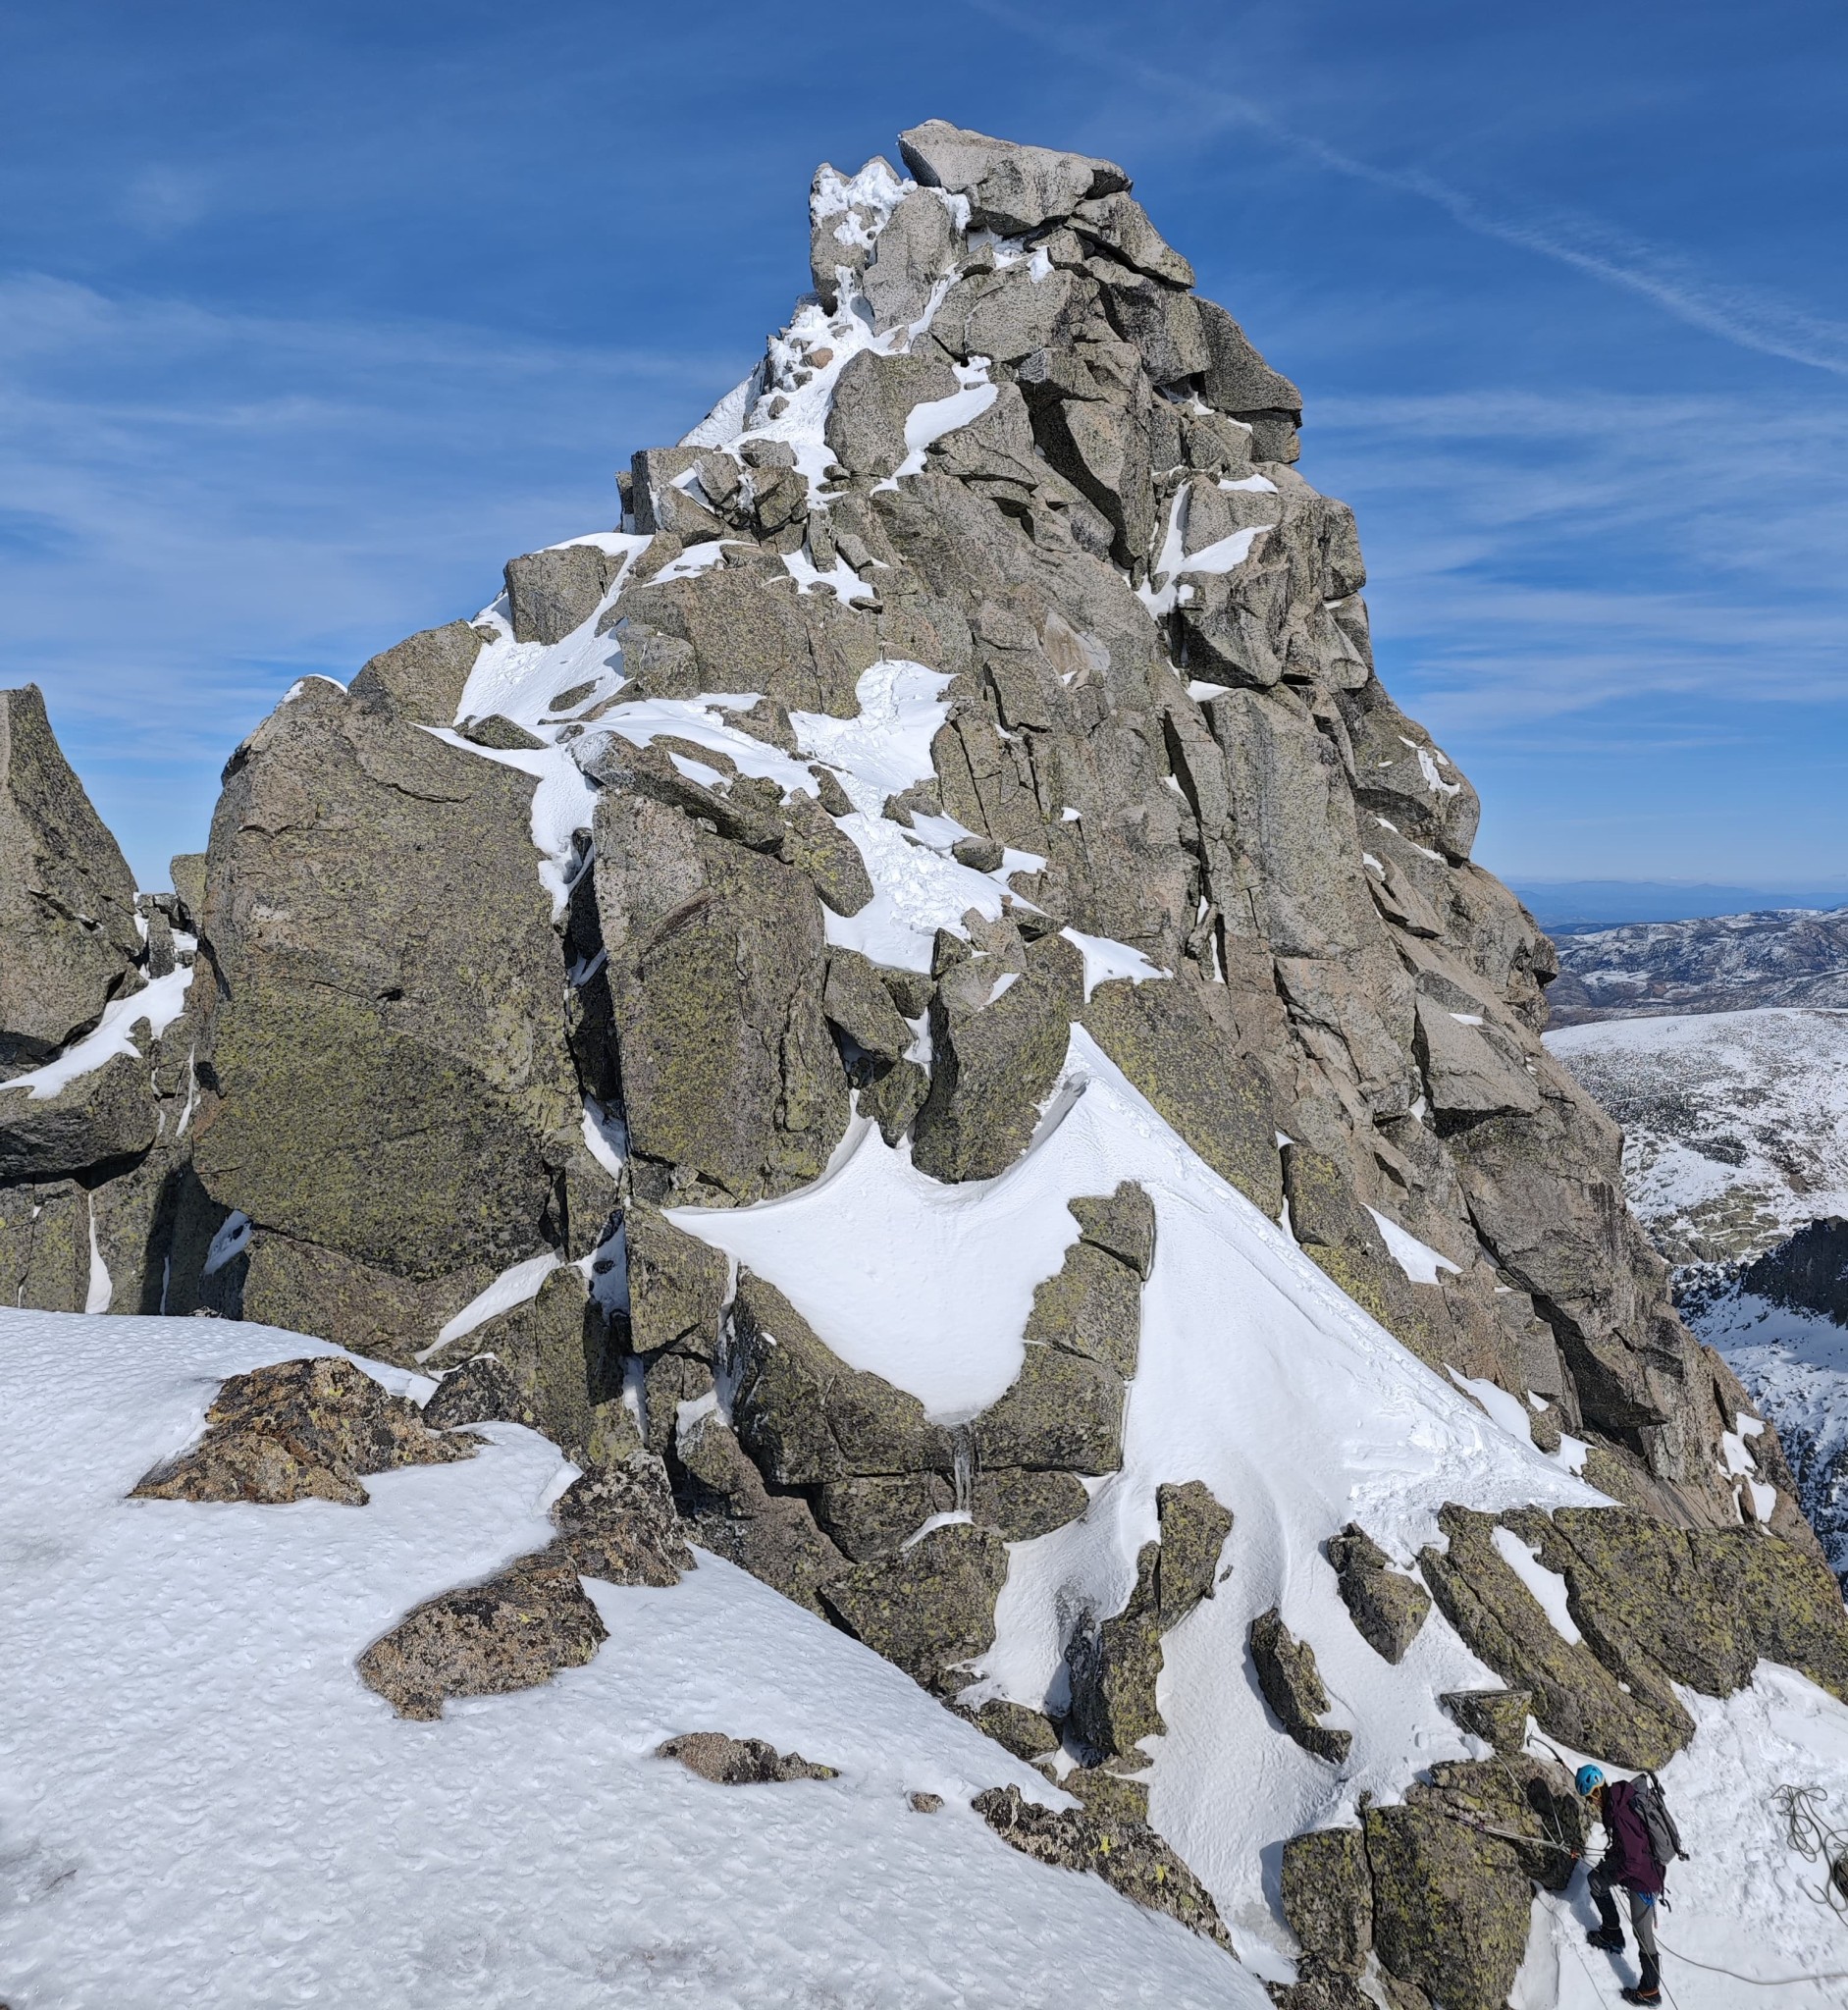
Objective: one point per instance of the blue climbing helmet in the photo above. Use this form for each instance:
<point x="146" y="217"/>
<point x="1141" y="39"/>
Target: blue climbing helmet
<point x="1587" y="1777"/>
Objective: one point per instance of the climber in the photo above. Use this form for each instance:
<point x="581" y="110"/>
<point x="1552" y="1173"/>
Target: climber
<point x="1631" y="1860"/>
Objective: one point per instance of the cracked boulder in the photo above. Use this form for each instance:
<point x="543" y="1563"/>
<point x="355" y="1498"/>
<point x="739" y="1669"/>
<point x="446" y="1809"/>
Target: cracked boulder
<point x="873" y="397"/>
<point x="1451" y="1902"/>
<point x="1063" y="1413"/>
<point x="421" y="678"/>
<point x="550" y="593"/>
<point x="1575" y="1697"/>
<point x="732" y="1087"/>
<point x="1167" y="1038"/>
<point x="1328" y="1899"/>
<point x="299" y="1431"/>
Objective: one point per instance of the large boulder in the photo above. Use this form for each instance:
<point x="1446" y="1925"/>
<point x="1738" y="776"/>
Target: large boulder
<point x="1011" y="189"/>
<point x="421" y="678"/>
<point x="718" y="965"/>
<point x="100" y="1119"/>
<point x="1171" y="1041"/>
<point x="930" y="1608"/>
<point x="68" y="936"/>
<point x="1000" y="1022"/>
<point x="873" y="397"/>
<point x="550" y="593"/>
<point x="385" y="1054"/>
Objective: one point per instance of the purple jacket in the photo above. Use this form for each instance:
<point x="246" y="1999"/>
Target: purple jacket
<point x="1627" y="1860"/>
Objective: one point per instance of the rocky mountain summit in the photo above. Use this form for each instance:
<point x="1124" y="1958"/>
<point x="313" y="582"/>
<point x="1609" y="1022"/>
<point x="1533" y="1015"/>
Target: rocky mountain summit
<point x="921" y="983"/>
<point x="1729" y="963"/>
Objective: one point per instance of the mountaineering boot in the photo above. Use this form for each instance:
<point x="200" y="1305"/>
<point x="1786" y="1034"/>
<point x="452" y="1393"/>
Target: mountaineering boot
<point x="1609" y="1938"/>
<point x="1643" y="1992"/>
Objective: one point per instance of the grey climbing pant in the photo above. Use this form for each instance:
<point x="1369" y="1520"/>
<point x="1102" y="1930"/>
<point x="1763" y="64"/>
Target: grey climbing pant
<point x="1642" y="1920"/>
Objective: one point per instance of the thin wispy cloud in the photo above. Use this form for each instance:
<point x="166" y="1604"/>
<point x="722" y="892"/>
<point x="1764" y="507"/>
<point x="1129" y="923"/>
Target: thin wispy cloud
<point x="196" y="506"/>
<point x="1748" y="316"/>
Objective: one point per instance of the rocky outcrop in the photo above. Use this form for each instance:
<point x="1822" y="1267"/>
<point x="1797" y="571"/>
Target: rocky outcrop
<point x="1113" y="1666"/>
<point x="68" y="936"/>
<point x="1009" y="498"/>
<point x="1437" y="1887"/>
<point x="514" y="1632"/>
<point x="387" y="1093"/>
<point x="1808" y="1272"/>
<point x="1293" y="1687"/>
<point x="1122" y="1850"/>
<point x="1388" y="1608"/>
<point x="297" y="1431"/>
<point x="1653" y="1604"/>
<point x="739" y="1762"/>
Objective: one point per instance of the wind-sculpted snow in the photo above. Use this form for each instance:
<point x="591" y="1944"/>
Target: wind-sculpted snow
<point x="200" y="1803"/>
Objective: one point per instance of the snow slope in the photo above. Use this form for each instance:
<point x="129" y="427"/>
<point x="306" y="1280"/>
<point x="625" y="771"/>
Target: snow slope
<point x="201" y="1803"/>
<point x="1737" y="1123"/>
<point x="1744" y="1904"/>
<point x="1256" y="1375"/>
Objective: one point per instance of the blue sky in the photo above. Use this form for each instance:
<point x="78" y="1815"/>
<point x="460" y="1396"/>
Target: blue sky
<point x="312" y="316"/>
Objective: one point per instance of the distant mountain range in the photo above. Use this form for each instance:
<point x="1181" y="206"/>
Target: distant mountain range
<point x="1726" y="963"/>
<point x="1566" y="906"/>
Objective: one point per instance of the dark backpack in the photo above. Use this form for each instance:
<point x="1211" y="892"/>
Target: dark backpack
<point x="1651" y="1808"/>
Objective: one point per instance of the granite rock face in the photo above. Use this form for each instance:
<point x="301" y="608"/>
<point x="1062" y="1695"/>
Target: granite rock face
<point x="67" y="937"/>
<point x="387" y="1076"/>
